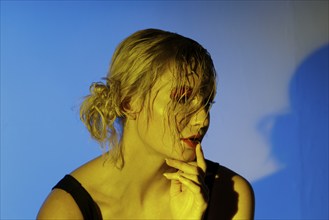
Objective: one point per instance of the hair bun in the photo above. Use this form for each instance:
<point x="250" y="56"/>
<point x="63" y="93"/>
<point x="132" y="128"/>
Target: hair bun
<point x="99" y="89"/>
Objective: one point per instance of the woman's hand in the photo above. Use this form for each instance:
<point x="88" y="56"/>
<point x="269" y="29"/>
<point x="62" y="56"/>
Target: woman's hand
<point x="188" y="192"/>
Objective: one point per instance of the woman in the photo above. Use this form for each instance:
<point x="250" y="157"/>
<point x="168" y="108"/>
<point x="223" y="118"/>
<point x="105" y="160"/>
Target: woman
<point x="153" y="112"/>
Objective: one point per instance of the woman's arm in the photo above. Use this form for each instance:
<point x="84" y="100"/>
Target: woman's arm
<point x="59" y="205"/>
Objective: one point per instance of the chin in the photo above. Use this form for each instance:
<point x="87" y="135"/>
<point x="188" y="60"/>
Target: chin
<point x="188" y="156"/>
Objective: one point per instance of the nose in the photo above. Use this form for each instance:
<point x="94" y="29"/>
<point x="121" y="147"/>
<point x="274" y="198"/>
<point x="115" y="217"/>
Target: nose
<point x="201" y="119"/>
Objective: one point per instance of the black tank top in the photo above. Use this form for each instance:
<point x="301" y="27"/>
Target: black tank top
<point x="91" y="211"/>
<point x="87" y="206"/>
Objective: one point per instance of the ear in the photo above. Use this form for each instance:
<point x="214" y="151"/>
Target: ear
<point x="129" y="109"/>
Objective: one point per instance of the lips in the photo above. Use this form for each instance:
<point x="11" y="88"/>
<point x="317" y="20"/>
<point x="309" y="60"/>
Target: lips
<point x="192" y="141"/>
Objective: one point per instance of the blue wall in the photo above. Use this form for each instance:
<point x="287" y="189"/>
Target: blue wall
<point x="299" y="138"/>
<point x="269" y="123"/>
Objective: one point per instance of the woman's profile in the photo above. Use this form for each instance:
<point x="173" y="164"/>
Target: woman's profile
<point x="150" y="116"/>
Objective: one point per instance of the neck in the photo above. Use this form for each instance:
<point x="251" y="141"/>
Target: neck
<point x="142" y="172"/>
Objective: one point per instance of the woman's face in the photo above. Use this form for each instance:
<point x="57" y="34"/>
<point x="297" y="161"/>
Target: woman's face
<point x="155" y="129"/>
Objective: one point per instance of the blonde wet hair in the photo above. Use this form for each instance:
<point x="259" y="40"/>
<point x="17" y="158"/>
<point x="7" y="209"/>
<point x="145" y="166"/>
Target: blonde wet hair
<point x="137" y="63"/>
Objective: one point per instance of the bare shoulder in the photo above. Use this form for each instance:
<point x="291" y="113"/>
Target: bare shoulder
<point x="59" y="205"/>
<point x="246" y="200"/>
<point x="232" y="196"/>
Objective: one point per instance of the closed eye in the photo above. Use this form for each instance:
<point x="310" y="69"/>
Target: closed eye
<point x="181" y="95"/>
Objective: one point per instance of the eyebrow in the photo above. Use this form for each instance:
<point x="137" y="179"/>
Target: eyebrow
<point x="183" y="87"/>
<point x="180" y="91"/>
<point x="193" y="73"/>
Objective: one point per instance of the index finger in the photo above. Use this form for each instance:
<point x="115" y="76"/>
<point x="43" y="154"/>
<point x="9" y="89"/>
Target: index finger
<point x="201" y="162"/>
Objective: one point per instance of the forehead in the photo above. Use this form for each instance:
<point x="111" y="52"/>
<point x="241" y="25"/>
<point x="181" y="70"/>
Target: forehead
<point x="173" y="79"/>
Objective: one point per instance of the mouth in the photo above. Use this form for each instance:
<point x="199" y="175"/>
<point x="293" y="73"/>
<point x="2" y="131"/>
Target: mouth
<point x="192" y="141"/>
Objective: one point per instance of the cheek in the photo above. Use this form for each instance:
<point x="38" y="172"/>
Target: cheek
<point x="166" y="139"/>
<point x="158" y="114"/>
<point x="163" y="127"/>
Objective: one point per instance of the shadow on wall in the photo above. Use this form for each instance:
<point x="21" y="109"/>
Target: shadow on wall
<point x="299" y="140"/>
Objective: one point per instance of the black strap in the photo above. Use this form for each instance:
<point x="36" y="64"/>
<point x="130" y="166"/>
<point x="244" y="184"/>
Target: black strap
<point x="87" y="206"/>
